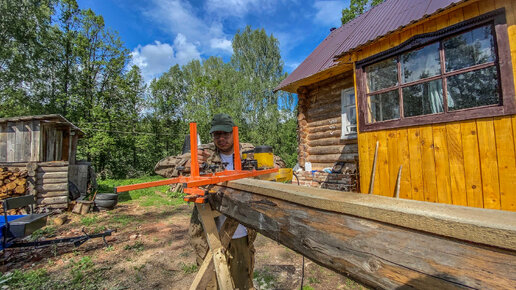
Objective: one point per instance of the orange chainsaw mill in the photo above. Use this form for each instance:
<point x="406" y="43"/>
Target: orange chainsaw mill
<point x="191" y="183"/>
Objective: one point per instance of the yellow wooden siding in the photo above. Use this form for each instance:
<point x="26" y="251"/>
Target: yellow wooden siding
<point x="471" y="163"/>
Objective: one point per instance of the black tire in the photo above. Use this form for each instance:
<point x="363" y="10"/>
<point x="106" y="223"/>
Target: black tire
<point x="106" y="196"/>
<point x="105" y="203"/>
<point x="99" y="208"/>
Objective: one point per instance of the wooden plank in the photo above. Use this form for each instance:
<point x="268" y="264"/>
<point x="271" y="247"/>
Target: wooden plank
<point x="382" y="167"/>
<point x="44" y="175"/>
<point x="27" y="141"/>
<point x="404" y="157"/>
<point x="470" y="11"/>
<point x="485" y="6"/>
<point x="416" y="170"/>
<point x="18" y="147"/>
<point x="43" y="194"/>
<point x="52" y="187"/>
<point x="51" y="181"/>
<point x="394" y="161"/>
<point x="442" y="165"/>
<point x="53" y="169"/>
<point x="473" y="176"/>
<point x="364" y="162"/>
<point x="375" y="253"/>
<point x="3" y="142"/>
<point x="428" y="164"/>
<point x="74" y="148"/>
<point x="59" y="145"/>
<point x="506" y="162"/>
<point x="455" y="17"/>
<point x="224" y="280"/>
<point x="36" y="142"/>
<point x="457" y="171"/>
<point x="488" y="163"/>
<point x="51" y="143"/>
<point x="53" y="200"/>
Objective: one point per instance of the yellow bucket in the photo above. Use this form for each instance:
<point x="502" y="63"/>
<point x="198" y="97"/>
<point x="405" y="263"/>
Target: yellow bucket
<point x="264" y="157"/>
<point x="284" y="175"/>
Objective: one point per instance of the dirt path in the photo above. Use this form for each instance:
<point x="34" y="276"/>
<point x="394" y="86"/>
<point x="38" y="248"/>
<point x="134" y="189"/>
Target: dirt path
<point x="150" y="250"/>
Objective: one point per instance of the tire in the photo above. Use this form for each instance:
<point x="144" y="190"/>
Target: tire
<point x="105" y="203"/>
<point x="106" y="196"/>
<point x="99" y="208"/>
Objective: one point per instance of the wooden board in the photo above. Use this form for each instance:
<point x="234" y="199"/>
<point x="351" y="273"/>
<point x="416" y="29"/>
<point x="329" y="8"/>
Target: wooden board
<point x="36" y="141"/>
<point x="457" y="171"/>
<point x="374" y="253"/>
<point x="489" y="227"/>
<point x="472" y="164"/>
<point x="3" y="142"/>
<point x="506" y="162"/>
<point x="488" y="163"/>
<point x="11" y="141"/>
<point x="442" y="164"/>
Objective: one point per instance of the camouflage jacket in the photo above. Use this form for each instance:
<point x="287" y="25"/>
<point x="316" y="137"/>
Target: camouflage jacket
<point x="167" y="167"/>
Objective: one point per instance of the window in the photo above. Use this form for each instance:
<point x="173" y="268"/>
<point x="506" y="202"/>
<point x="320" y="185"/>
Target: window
<point x="349" y="118"/>
<point x="460" y="72"/>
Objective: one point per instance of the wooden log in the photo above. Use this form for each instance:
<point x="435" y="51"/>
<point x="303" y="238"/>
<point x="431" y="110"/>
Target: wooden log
<point x="325" y="122"/>
<point x="328" y="158"/>
<point x="324" y="109"/>
<point x="53" y="164"/>
<point x="326" y="134"/>
<point x="55" y="206"/>
<point x="322" y="150"/>
<point x="52" y="187"/>
<point x="53" y="200"/>
<point x="331" y="141"/>
<point x="52" y="194"/>
<point x="51" y="181"/>
<point x="373" y="252"/>
<point x="323" y="116"/>
<point x="45" y="175"/>
<point x="325" y="128"/>
<point x="45" y="169"/>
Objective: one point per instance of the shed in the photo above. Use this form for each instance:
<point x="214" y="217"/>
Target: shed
<point x="46" y="146"/>
<point x="432" y="81"/>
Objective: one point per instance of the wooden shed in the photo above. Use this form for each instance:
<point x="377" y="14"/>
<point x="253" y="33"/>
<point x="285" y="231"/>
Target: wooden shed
<point x="46" y="146"/>
<point x="434" y="85"/>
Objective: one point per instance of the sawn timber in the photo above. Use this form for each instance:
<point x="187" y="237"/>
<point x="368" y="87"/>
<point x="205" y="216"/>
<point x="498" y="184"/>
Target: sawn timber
<point x="380" y="241"/>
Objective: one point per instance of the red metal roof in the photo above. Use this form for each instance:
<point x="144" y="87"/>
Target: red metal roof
<point x="381" y="20"/>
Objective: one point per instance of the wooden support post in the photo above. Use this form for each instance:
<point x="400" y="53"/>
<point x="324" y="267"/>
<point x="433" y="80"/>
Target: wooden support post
<point x="220" y="261"/>
<point x="373" y="171"/>
<point x="204" y="275"/>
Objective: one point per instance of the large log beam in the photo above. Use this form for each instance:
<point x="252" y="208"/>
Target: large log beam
<point x="373" y="252"/>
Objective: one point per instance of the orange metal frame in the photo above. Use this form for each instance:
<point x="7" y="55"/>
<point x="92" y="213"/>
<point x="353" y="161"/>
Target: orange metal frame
<point x="192" y="182"/>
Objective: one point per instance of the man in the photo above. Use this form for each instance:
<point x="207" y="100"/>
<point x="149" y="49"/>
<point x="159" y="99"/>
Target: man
<point x="220" y="152"/>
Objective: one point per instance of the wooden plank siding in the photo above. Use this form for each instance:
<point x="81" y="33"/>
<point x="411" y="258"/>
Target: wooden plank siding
<point x="470" y="163"/>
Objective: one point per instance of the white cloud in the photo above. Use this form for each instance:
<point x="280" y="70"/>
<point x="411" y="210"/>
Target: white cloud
<point x="329" y="12"/>
<point x="154" y="59"/>
<point x="222" y="44"/>
<point x="237" y="8"/>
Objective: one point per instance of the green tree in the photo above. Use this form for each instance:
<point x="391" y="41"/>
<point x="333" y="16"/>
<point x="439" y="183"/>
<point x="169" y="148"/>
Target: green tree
<point x="356" y="8"/>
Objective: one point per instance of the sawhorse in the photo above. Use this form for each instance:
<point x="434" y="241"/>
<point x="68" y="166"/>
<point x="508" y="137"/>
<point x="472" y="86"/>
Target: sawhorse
<point x="216" y="257"/>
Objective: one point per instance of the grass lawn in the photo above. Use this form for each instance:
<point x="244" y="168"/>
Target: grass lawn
<point x="153" y="196"/>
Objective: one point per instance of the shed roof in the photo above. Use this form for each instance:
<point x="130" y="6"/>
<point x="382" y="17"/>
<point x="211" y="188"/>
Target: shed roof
<point x="50" y="118"/>
<point x="379" y="21"/>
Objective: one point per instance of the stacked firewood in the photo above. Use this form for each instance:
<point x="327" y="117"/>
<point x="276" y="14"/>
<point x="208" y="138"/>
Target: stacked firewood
<point x="12" y="182"/>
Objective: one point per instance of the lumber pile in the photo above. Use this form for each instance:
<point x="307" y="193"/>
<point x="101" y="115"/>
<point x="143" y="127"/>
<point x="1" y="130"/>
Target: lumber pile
<point x="380" y="241"/>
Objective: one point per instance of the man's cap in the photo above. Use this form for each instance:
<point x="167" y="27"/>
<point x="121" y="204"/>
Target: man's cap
<point x="221" y="122"/>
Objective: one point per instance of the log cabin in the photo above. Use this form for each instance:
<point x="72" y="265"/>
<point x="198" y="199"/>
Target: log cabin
<point x="432" y="82"/>
<point x="45" y="146"/>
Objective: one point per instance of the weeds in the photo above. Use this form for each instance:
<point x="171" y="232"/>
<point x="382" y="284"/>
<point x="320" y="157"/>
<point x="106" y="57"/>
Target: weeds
<point x="43" y="232"/>
<point x="33" y="279"/>
<point x="189" y="268"/>
<point x="109" y="249"/>
<point x="313" y="280"/>
<point x="264" y="278"/>
<point x="137" y="247"/>
<point x="88" y="221"/>
<point x="308" y="287"/>
<point x="122" y="219"/>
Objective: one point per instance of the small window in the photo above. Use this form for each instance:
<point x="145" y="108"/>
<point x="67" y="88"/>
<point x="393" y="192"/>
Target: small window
<point x="349" y="117"/>
<point x="459" y="72"/>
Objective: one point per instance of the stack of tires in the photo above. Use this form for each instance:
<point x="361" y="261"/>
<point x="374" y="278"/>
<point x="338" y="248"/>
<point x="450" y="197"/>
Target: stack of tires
<point x="106" y="201"/>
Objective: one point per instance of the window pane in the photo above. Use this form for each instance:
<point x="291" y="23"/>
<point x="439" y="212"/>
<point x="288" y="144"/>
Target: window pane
<point x="384" y="106"/>
<point x="473" y="89"/>
<point x="469" y="48"/>
<point x="382" y="75"/>
<point x="423" y="99"/>
<point x="421" y="63"/>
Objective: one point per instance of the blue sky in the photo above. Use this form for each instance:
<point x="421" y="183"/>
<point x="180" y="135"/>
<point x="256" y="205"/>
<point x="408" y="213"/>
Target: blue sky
<point x="162" y="33"/>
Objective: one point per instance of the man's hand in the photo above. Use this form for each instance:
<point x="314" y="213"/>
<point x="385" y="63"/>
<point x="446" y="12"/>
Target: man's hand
<point x="202" y="156"/>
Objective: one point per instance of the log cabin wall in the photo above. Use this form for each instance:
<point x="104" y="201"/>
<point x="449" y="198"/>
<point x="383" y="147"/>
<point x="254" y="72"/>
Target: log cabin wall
<point x="470" y="163"/>
<point x="320" y="142"/>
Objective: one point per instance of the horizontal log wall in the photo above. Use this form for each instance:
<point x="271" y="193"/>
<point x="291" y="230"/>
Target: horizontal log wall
<point x="52" y="185"/>
<point x="320" y="125"/>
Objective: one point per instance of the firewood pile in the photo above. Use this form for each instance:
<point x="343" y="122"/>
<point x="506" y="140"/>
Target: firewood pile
<point x="12" y="182"/>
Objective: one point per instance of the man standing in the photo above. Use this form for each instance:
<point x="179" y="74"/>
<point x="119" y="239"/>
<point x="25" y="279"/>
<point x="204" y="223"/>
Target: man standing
<point x="220" y="152"/>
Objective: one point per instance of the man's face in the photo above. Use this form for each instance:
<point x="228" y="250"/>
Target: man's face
<point x="223" y="141"/>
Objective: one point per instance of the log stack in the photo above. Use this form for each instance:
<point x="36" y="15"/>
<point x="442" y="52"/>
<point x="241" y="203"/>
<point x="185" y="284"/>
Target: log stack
<point x="12" y="182"/>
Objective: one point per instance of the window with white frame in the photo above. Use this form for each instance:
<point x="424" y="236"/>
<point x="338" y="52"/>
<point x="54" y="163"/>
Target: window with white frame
<point x="349" y="118"/>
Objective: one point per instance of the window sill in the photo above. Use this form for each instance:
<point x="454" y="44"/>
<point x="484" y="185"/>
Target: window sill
<point x="349" y="137"/>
